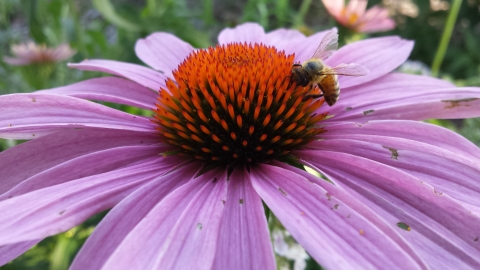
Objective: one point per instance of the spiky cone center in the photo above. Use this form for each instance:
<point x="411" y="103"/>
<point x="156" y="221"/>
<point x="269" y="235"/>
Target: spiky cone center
<point x="236" y="105"/>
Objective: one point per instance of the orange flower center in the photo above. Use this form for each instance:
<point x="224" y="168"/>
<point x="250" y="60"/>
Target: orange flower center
<point x="235" y="105"/>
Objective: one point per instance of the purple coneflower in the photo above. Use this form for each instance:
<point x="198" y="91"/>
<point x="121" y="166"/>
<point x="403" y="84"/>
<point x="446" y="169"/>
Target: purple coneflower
<point x="356" y="17"/>
<point x="230" y="131"/>
<point x="31" y="53"/>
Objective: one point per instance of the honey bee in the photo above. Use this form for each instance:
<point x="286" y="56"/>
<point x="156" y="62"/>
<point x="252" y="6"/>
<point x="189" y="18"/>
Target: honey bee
<point x="315" y="71"/>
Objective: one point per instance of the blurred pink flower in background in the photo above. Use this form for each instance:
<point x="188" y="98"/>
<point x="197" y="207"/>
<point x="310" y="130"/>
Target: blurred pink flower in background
<point x="31" y="53"/>
<point x="400" y="193"/>
<point x="356" y="17"/>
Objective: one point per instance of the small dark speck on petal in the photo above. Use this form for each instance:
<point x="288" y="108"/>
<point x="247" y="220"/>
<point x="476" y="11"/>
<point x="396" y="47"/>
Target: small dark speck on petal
<point x="335" y="206"/>
<point x="328" y="196"/>
<point x="199" y="226"/>
<point x="437" y="192"/>
<point x="393" y="151"/>
<point x="368" y="112"/>
<point x="282" y="191"/>
<point x="361" y="232"/>
<point x="223" y="201"/>
<point x="61" y="212"/>
<point x="215" y="180"/>
<point x="403" y="226"/>
<point x="34" y="100"/>
<point x="240" y="201"/>
<point x="348" y="108"/>
<point x="476" y="239"/>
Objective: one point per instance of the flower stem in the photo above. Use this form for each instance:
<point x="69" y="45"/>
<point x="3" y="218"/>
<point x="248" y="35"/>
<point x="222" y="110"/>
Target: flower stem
<point x="447" y="33"/>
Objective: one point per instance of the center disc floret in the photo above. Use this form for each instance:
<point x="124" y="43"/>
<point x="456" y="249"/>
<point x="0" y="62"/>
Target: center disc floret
<point x="236" y="105"/>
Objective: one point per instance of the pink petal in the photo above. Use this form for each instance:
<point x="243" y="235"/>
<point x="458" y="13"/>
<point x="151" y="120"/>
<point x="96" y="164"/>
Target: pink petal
<point x="357" y="7"/>
<point x="322" y="226"/>
<point x="27" y="116"/>
<point x="19" y="164"/>
<point x="377" y="26"/>
<point x="12" y="251"/>
<point x="446" y="103"/>
<point x="126" y="215"/>
<point x="379" y="55"/>
<point x="139" y="74"/>
<point x="334" y="7"/>
<point x="53" y="210"/>
<point x="86" y="165"/>
<point x="162" y="51"/>
<point x="440" y="230"/>
<point x="388" y="88"/>
<point x="244" y="241"/>
<point x="283" y="38"/>
<point x="246" y="32"/>
<point x="180" y="232"/>
<point x="110" y="89"/>
<point x="376" y="19"/>
<point x="411" y="130"/>
<point x="343" y="197"/>
<point x="17" y="61"/>
<point x="448" y="172"/>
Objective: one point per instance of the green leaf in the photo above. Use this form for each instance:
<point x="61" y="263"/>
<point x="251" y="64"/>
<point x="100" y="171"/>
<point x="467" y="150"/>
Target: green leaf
<point x="105" y="7"/>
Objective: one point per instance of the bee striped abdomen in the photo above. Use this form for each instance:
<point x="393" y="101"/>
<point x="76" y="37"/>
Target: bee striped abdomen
<point x="330" y="88"/>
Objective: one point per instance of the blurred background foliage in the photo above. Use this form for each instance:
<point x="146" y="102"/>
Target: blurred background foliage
<point x="108" y="29"/>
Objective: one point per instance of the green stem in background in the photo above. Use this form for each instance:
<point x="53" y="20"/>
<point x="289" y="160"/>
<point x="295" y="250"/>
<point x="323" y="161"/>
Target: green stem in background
<point x="447" y="33"/>
<point x="208" y="12"/>
<point x="299" y="19"/>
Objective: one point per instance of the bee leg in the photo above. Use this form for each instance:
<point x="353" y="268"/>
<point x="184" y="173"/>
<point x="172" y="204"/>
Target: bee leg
<point x="307" y="97"/>
<point x="296" y="65"/>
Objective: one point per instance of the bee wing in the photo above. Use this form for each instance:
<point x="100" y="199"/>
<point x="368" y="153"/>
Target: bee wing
<point x="327" y="46"/>
<point x="347" y="70"/>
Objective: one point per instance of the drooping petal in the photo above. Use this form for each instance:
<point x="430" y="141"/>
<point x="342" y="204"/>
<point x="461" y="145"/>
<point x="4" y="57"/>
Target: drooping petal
<point x="85" y="165"/>
<point x="448" y="172"/>
<point x="29" y="116"/>
<point x="139" y="74"/>
<point x="388" y="88"/>
<point x="110" y="89"/>
<point x="126" y="215"/>
<point x="181" y="232"/>
<point x="334" y="7"/>
<point x="244" y="241"/>
<point x="376" y="19"/>
<point x="162" y="51"/>
<point x="380" y="55"/>
<point x="411" y="130"/>
<point x="19" y="164"/>
<point x="441" y="230"/>
<point x="12" y="251"/>
<point x="52" y="210"/>
<point x="446" y="103"/>
<point x="247" y="32"/>
<point x="325" y="229"/>
<point x="343" y="197"/>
